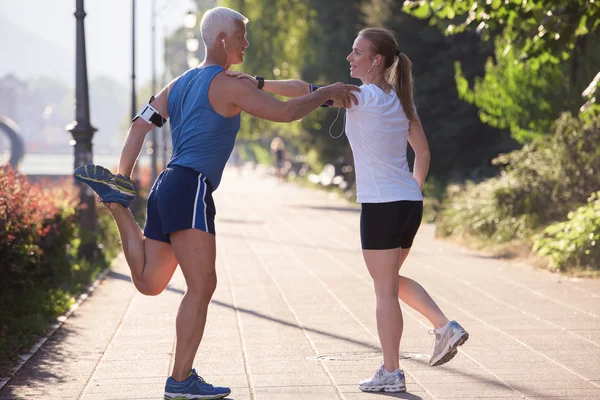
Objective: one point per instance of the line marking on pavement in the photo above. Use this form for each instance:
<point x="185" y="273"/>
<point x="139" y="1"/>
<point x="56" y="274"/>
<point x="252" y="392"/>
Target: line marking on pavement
<point x="585" y="379"/>
<point x="580" y="289"/>
<point x="341" y="303"/>
<point x="504" y="303"/>
<point x="512" y="306"/>
<point x="238" y="322"/>
<point x="285" y="300"/>
<point x="365" y="280"/>
<point x="527" y="288"/>
<point x="516" y="340"/>
<point x="110" y="342"/>
<point x="23" y="358"/>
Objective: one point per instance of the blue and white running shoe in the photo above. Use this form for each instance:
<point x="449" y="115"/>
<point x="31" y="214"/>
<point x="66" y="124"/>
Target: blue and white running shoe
<point x="110" y="188"/>
<point x="194" y="387"/>
<point x="383" y="381"/>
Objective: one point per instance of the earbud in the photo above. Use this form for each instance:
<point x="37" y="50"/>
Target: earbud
<point x="222" y="40"/>
<point x="374" y="61"/>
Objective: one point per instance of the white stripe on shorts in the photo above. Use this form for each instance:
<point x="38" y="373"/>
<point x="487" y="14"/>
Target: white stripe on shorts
<point x="196" y="202"/>
<point x="204" y="201"/>
<point x="200" y="182"/>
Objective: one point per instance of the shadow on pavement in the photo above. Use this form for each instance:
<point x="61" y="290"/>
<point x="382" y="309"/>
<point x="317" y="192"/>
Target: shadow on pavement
<point x="290" y="324"/>
<point x="124" y="277"/>
<point x="44" y="368"/>
<point x="456" y="371"/>
<point x="405" y="395"/>
<point x="344" y="250"/>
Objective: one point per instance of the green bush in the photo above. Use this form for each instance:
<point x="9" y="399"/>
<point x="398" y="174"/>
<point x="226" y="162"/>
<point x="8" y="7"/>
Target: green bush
<point x="481" y="210"/>
<point x="40" y="267"/>
<point x="575" y="242"/>
<point x="539" y="184"/>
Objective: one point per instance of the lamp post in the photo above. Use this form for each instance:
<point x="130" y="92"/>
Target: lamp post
<point x="165" y="145"/>
<point x="154" y="136"/>
<point x="82" y="132"/>
<point x="136" y="205"/>
<point x="133" y="99"/>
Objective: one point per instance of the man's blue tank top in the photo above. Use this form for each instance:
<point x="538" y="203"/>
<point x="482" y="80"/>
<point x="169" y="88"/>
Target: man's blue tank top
<point x="202" y="139"/>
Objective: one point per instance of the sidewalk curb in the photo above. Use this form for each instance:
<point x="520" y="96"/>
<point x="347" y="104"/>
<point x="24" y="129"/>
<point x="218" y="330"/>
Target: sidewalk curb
<point x="53" y="328"/>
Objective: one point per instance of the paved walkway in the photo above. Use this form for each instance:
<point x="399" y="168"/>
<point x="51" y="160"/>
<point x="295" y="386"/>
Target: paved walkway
<point x="293" y="317"/>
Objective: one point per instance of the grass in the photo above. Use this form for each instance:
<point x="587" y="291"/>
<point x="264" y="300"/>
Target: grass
<point x="29" y="308"/>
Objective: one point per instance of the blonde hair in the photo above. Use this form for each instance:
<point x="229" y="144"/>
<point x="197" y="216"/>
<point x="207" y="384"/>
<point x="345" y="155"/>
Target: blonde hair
<point x="398" y="67"/>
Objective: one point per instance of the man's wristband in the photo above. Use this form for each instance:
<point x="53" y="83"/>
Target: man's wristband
<point x="261" y="81"/>
<point x="313" y="88"/>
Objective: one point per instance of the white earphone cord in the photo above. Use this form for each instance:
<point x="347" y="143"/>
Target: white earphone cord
<point x="334" y="121"/>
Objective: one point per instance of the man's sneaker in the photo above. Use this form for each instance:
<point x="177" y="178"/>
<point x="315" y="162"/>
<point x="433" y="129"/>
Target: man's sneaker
<point x="110" y="188"/>
<point x="384" y="381"/>
<point x="446" y="343"/>
<point x="194" y="387"/>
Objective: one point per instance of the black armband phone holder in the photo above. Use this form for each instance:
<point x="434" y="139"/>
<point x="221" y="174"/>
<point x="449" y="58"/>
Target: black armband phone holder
<point x="150" y="114"/>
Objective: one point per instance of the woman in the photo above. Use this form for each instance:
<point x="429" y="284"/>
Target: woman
<point x="378" y="129"/>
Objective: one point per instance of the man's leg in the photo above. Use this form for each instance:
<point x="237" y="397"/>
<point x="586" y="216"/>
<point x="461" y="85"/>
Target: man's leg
<point x="415" y="296"/>
<point x="152" y="262"/>
<point x="196" y="252"/>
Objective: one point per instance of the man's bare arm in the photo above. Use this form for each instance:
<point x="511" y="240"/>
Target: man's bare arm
<point x="290" y="88"/>
<point x="246" y="96"/>
<point x="137" y="133"/>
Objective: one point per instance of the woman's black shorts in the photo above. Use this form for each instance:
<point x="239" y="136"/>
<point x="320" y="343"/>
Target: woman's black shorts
<point x="390" y="225"/>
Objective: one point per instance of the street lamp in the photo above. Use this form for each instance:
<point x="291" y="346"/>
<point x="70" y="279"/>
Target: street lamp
<point x="154" y="135"/>
<point x="82" y="132"/>
<point x="133" y="97"/>
<point x="192" y="44"/>
<point x="190" y="19"/>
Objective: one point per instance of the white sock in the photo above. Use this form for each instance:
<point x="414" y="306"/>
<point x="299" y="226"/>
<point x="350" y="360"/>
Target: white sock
<point x="386" y="371"/>
<point x="443" y="329"/>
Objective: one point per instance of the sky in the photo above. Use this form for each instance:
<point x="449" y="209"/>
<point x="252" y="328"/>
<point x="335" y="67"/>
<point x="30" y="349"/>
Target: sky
<point x="37" y="37"/>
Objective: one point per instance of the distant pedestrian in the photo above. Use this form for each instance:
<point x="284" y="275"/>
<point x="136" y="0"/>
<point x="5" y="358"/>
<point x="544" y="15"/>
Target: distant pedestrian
<point x="278" y="152"/>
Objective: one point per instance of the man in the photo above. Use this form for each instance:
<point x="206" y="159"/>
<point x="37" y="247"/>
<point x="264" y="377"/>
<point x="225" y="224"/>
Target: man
<point x="204" y="108"/>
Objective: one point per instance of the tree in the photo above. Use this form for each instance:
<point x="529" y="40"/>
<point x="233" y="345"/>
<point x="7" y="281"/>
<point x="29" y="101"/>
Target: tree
<point x="460" y="144"/>
<point x="546" y="29"/>
<point x="277" y="32"/>
<point x="546" y="55"/>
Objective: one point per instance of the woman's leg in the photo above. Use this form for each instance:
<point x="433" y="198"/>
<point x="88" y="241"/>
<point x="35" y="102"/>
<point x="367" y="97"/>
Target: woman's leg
<point x="448" y="334"/>
<point x="383" y="265"/>
<point x="415" y="296"/>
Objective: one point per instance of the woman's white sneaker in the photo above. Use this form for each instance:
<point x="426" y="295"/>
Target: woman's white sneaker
<point x="447" y="340"/>
<point x="384" y="381"/>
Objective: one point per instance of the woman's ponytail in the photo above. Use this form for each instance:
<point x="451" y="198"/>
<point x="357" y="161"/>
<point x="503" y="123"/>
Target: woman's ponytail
<point x="402" y="79"/>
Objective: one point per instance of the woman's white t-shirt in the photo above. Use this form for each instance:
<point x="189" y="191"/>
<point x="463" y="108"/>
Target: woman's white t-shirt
<point x="377" y="129"/>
